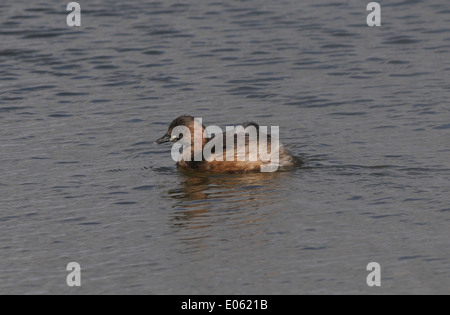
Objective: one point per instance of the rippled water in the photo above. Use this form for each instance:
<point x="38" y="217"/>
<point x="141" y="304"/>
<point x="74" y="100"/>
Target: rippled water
<point x="366" y="108"/>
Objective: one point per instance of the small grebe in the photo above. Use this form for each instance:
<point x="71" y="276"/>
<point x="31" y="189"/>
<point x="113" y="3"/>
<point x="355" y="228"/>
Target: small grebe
<point x="219" y="160"/>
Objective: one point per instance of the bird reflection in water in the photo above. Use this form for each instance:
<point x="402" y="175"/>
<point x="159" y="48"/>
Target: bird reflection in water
<point x="213" y="206"/>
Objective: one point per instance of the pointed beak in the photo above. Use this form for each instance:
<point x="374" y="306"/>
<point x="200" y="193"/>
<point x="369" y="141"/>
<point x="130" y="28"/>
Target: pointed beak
<point x="164" y="139"/>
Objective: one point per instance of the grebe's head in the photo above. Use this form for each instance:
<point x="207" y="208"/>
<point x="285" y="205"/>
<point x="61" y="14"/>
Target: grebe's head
<point x="183" y="121"/>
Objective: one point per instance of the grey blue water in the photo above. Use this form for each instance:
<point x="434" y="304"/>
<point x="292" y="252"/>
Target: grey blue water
<point x="81" y="179"/>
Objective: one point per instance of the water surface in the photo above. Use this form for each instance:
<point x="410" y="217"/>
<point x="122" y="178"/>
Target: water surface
<point x="82" y="180"/>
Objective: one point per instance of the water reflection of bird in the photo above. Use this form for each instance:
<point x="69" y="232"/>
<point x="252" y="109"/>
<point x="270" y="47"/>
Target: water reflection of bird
<point x="208" y="208"/>
<point x="199" y="194"/>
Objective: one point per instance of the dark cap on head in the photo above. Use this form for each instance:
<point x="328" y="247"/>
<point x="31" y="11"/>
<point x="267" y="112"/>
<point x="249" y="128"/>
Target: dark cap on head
<point x="184" y="120"/>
